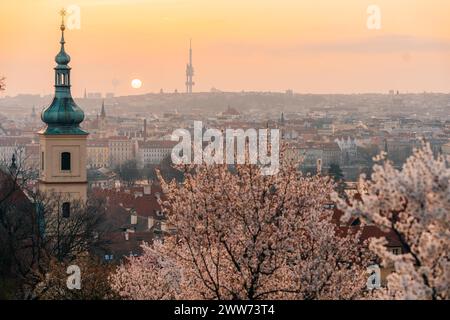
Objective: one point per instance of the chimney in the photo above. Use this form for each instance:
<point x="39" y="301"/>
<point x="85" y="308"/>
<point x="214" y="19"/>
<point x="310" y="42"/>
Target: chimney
<point x="319" y="166"/>
<point x="151" y="222"/>
<point x="127" y="236"/>
<point x="147" y="189"/>
<point x="133" y="218"/>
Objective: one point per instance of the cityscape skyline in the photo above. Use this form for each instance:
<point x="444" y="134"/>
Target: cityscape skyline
<point x="316" y="48"/>
<point x="219" y="195"/>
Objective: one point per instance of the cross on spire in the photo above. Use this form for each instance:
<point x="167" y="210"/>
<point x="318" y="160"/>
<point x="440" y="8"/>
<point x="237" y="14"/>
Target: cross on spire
<point x="63" y="13"/>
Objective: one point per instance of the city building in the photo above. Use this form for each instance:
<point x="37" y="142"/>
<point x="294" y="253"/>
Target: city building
<point x="98" y="153"/>
<point x="121" y="150"/>
<point x="327" y="152"/>
<point x="446" y="149"/>
<point x="10" y="146"/>
<point x="102" y="178"/>
<point x="349" y="149"/>
<point x="153" y="152"/>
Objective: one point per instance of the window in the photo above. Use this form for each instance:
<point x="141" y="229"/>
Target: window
<point x="42" y="161"/>
<point x="65" y="161"/>
<point x="66" y="210"/>
<point x="109" y="257"/>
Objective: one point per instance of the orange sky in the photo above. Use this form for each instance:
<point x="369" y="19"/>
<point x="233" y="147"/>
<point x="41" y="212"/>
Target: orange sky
<point x="310" y="46"/>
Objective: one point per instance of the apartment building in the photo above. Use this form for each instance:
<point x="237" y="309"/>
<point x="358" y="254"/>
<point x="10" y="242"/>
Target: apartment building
<point x="98" y="154"/>
<point x="121" y="150"/>
<point x="153" y="152"/>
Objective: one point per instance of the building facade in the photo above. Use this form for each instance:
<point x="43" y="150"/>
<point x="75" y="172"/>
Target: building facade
<point x="98" y="154"/>
<point x="446" y="149"/>
<point x="153" y="152"/>
<point x="121" y="150"/>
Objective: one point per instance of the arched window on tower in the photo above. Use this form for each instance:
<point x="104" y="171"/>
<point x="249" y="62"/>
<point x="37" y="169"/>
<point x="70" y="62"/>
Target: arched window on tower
<point x="62" y="79"/>
<point x="65" y="161"/>
<point x="66" y="209"/>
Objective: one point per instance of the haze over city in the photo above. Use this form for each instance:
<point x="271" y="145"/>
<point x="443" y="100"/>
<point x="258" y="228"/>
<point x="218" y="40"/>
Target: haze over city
<point x="192" y="150"/>
<point x="311" y="47"/>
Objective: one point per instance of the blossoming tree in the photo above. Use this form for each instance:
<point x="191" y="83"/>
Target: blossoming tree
<point x="241" y="235"/>
<point x="415" y="203"/>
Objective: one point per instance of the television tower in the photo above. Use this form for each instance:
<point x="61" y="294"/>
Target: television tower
<point x="189" y="71"/>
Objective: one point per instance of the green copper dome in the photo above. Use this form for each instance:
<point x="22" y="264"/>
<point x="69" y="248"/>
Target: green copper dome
<point x="62" y="58"/>
<point x="63" y="116"/>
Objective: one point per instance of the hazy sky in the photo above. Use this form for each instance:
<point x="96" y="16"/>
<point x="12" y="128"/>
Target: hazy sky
<point x="312" y="46"/>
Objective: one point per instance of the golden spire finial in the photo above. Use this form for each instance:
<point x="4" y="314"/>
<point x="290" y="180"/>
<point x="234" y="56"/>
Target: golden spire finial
<point x="63" y="13"/>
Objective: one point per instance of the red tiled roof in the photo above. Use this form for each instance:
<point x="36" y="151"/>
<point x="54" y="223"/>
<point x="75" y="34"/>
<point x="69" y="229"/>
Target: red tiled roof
<point x="367" y="231"/>
<point x="97" y="143"/>
<point x="120" y="247"/>
<point x="145" y="205"/>
<point x="11" y="193"/>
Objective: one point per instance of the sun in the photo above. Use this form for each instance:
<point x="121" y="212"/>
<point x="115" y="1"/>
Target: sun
<point x="136" y="83"/>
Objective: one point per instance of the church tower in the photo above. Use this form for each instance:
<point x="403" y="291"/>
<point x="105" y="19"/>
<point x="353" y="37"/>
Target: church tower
<point x="62" y="142"/>
<point x="103" y="112"/>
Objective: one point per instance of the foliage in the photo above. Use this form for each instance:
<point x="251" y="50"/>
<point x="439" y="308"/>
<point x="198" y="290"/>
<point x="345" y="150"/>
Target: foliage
<point x="33" y="233"/>
<point x="129" y="172"/>
<point x="241" y="235"/>
<point x="94" y="280"/>
<point x="415" y="203"/>
<point x="335" y="172"/>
